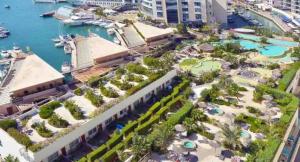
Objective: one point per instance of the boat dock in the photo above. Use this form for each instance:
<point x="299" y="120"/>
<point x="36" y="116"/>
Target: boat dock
<point x="284" y="27"/>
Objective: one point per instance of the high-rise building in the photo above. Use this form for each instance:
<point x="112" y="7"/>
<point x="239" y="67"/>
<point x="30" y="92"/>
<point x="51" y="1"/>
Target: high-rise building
<point x="292" y="6"/>
<point x="186" y="11"/>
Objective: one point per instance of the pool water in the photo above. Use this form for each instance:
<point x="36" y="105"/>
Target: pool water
<point x="270" y="40"/>
<point x="245" y="134"/>
<point x="217" y="110"/>
<point x="266" y="50"/>
<point x="189" y="144"/>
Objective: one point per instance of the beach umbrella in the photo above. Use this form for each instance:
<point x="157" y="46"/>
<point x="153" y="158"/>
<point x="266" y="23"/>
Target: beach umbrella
<point x="180" y="128"/>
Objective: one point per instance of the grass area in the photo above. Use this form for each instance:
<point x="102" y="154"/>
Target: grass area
<point x="288" y="76"/>
<point x="187" y="64"/>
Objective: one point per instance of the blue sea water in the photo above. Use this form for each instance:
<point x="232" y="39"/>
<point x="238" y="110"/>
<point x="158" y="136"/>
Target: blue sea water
<point x="28" y="29"/>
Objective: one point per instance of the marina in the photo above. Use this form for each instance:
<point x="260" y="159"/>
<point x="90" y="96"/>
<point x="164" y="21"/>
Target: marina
<point x="40" y="32"/>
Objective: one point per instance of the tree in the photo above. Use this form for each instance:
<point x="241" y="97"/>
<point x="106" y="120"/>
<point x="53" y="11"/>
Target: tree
<point x="232" y="136"/>
<point x="181" y="28"/>
<point x="163" y="133"/>
<point x="11" y="158"/>
<point x="99" y="12"/>
<point x="168" y="60"/>
<point x="140" y="146"/>
<point x="198" y="115"/>
<point x="296" y="52"/>
<point x="264" y="40"/>
<point x="206" y="29"/>
<point x="190" y="125"/>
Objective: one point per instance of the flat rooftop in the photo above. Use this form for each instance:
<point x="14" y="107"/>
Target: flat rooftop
<point x="33" y="71"/>
<point x="94" y="47"/>
<point x="150" y="32"/>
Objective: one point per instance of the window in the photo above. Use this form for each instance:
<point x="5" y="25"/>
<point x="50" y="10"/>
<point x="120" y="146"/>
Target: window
<point x="158" y="2"/>
<point x="198" y="16"/>
<point x="197" y="9"/>
<point x="92" y="131"/>
<point x="159" y="14"/>
<point x="197" y="4"/>
<point x="108" y="121"/>
<point x="53" y="156"/>
<point x="184" y="3"/>
<point x="74" y="144"/>
<point x="159" y="8"/>
<point x="185" y="9"/>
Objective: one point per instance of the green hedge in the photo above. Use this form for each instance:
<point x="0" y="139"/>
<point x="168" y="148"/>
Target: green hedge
<point x="114" y="140"/>
<point x="83" y="159"/>
<point x="127" y="130"/>
<point x="142" y="129"/>
<point x="129" y="127"/>
<point x="145" y="117"/>
<point x="92" y="156"/>
<point x="154" y="108"/>
<point x="273" y="143"/>
<point x="288" y="76"/>
<point x="112" y="154"/>
<point x="166" y="100"/>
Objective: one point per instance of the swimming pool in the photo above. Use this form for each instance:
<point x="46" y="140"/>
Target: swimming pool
<point x="245" y="134"/>
<point x="266" y="50"/>
<point x="270" y="40"/>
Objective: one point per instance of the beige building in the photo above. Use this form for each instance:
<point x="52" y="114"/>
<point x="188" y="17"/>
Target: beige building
<point x="96" y="51"/>
<point x="29" y="78"/>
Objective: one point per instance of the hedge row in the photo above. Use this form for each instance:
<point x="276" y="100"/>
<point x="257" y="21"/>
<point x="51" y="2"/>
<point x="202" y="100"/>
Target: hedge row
<point x="273" y="144"/>
<point x="288" y="76"/>
<point x="140" y="125"/>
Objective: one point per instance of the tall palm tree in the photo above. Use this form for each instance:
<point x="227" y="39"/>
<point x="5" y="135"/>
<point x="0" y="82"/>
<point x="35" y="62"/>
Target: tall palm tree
<point x="11" y="158"/>
<point x="232" y="136"/>
<point x="140" y="146"/>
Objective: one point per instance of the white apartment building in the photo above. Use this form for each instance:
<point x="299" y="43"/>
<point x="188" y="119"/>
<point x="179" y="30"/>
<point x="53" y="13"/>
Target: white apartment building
<point x="292" y="6"/>
<point x="81" y="132"/>
<point x="186" y="11"/>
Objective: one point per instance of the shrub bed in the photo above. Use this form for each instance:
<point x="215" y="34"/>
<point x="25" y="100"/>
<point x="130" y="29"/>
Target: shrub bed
<point x="47" y="110"/>
<point x="121" y="85"/>
<point x="288" y="76"/>
<point x="57" y="121"/>
<point x="109" y="92"/>
<point x="133" y="78"/>
<point x="78" y="91"/>
<point x="21" y="138"/>
<point x="42" y="130"/>
<point x="96" y="100"/>
<point x="8" y="123"/>
<point x="97" y="153"/>
<point x="74" y="110"/>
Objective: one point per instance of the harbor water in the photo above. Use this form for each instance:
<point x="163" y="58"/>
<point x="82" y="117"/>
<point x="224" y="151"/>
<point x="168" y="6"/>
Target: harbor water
<point x="30" y="31"/>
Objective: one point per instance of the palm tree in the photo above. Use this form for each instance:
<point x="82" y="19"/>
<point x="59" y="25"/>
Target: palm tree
<point x="190" y="125"/>
<point x="164" y="134"/>
<point x="232" y="136"/>
<point x="140" y="146"/>
<point x="11" y="158"/>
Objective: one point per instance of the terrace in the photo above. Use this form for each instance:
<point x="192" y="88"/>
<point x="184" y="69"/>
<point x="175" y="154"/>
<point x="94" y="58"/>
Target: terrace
<point x="66" y="114"/>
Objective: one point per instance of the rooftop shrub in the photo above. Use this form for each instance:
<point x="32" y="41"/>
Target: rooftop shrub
<point x="57" y="121"/>
<point x="78" y="92"/>
<point x="42" y="130"/>
<point x="136" y="68"/>
<point x="109" y="92"/>
<point x="47" y="110"/>
<point x="74" y="109"/>
<point x="21" y="138"/>
<point x="8" y="123"/>
<point x="96" y="100"/>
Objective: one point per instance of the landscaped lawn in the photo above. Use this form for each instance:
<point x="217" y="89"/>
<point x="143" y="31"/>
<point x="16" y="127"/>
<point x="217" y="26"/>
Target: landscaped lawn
<point x="187" y="64"/>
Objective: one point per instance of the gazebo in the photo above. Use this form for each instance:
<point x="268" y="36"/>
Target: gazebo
<point x="206" y="47"/>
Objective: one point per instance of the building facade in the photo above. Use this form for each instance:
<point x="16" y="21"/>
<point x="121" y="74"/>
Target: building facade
<point x="292" y="6"/>
<point x="186" y="11"/>
<point x="69" y="142"/>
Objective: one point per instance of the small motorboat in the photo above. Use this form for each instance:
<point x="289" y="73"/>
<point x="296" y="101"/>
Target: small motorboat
<point x="67" y="49"/>
<point x="59" y="44"/>
<point x="7" y="6"/>
<point x="56" y="40"/>
<point x="66" y="67"/>
<point x="5" y="54"/>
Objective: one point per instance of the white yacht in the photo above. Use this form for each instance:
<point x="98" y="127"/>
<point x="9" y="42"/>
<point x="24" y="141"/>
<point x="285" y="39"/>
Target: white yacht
<point x="66" y="68"/>
<point x="60" y="44"/>
<point x="5" y="54"/>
